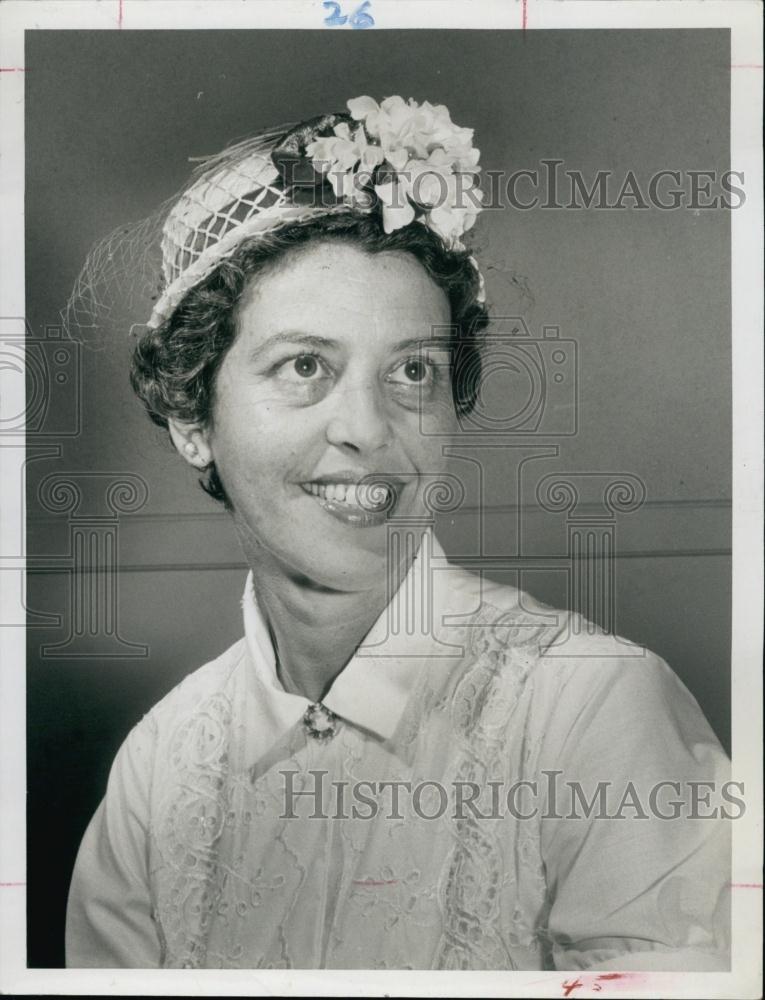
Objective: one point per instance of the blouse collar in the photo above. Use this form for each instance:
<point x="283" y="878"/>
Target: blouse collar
<point x="374" y="687"/>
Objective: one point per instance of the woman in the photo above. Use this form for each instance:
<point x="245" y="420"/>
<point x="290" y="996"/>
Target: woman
<point x="400" y="765"/>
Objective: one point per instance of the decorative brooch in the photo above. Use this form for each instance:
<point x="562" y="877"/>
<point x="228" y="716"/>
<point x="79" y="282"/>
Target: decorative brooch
<point x="320" y="722"/>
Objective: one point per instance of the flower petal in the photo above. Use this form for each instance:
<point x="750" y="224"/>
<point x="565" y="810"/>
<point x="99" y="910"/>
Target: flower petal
<point x="416" y="152"/>
<point x="398" y="158"/>
<point x="392" y="104"/>
<point x="388" y="193"/>
<point x="343" y="130"/>
<point x="360" y="107"/>
<point x="371" y="157"/>
<point x="397" y="218"/>
<point x="449" y="223"/>
<point x="397" y="210"/>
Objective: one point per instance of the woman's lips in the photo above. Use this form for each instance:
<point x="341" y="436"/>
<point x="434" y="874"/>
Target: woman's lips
<point x="360" y="505"/>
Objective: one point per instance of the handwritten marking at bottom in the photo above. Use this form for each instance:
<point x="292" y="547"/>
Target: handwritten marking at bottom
<point x="595" y="983"/>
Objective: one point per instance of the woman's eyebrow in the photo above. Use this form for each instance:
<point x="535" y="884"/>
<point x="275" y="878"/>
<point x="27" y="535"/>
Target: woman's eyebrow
<point x="293" y="337"/>
<point x="443" y="341"/>
<point x="315" y="341"/>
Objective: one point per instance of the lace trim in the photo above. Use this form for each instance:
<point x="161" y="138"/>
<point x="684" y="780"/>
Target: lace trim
<point x="504" y="647"/>
<point x="190" y="830"/>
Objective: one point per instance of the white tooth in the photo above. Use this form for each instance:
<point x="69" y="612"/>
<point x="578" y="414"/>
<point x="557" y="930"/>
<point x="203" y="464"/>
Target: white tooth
<point x="315" y="489"/>
<point x="340" y="491"/>
<point x="329" y="491"/>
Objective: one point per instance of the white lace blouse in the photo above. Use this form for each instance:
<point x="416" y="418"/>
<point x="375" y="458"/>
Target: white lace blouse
<point x="499" y="793"/>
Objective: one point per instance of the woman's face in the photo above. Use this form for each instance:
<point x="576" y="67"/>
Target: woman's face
<point x="339" y="371"/>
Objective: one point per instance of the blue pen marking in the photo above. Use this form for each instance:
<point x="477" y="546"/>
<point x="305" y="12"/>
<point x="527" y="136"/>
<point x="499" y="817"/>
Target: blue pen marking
<point x="335" y="18"/>
<point x="359" y="19"/>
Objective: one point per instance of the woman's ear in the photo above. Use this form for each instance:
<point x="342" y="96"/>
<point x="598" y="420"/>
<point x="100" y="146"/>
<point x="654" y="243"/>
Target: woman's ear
<point x="192" y="442"/>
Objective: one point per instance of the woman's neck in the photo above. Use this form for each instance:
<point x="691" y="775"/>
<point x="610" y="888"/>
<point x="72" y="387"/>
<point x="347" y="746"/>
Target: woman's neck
<point x="315" y="634"/>
<point x="315" y="631"/>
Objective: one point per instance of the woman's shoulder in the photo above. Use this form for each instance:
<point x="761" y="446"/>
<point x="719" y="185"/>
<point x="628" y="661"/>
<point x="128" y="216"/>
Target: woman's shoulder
<point x="197" y="691"/>
<point x="561" y="648"/>
<point x="149" y="748"/>
<point x="582" y="689"/>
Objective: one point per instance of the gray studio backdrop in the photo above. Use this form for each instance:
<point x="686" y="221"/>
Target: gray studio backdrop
<point x="640" y="300"/>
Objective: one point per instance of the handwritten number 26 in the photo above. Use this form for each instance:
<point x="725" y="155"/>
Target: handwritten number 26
<point x="358" y="19"/>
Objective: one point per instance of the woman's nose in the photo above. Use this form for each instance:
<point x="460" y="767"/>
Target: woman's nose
<point x="359" y="420"/>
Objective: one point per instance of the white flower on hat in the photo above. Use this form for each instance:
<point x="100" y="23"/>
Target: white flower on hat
<point x="411" y="155"/>
<point x="341" y="155"/>
<point x="397" y="210"/>
<point x="418" y="128"/>
<point x="456" y="213"/>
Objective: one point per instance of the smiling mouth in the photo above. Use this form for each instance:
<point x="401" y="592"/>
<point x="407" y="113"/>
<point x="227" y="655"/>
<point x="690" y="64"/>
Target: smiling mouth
<point x="360" y="505"/>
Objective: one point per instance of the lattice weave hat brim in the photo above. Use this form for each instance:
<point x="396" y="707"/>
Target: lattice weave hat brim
<point x="236" y="195"/>
<point x="204" y="263"/>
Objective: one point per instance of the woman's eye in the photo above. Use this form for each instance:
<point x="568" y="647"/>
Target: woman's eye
<point x="301" y="368"/>
<point x="412" y="371"/>
<point x="415" y="371"/>
<point x="306" y="365"/>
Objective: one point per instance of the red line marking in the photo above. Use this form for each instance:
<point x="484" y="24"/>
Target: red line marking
<point x="524" y="15"/>
<point x="9" y="885"/>
<point x="745" y="885"/>
<point x="746" y="66"/>
<point x="586" y="980"/>
<point x="13" y="69"/>
<point x="119" y="15"/>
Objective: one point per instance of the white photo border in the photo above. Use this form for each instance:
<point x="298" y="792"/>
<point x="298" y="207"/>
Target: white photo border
<point x="744" y="19"/>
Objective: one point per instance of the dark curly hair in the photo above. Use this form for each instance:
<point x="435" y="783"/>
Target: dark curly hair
<point x="175" y="365"/>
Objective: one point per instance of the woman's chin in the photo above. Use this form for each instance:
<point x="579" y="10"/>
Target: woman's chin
<point x="326" y="568"/>
<point x="326" y="544"/>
